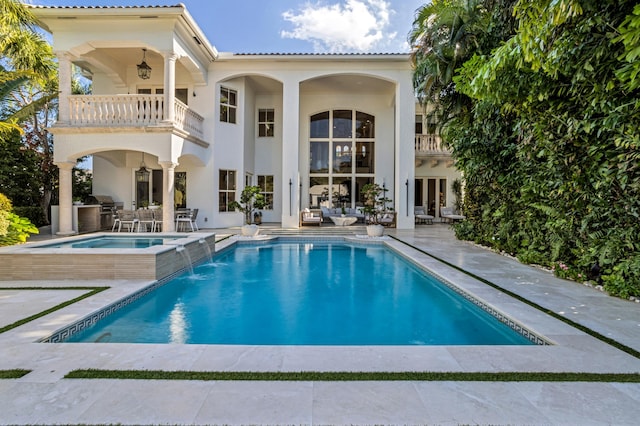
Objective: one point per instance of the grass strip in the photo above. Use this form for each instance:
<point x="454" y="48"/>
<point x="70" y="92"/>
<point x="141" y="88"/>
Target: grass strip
<point x="541" y="308"/>
<point x="13" y="374"/>
<point x="349" y="376"/>
<point x="93" y="291"/>
<point x="224" y="238"/>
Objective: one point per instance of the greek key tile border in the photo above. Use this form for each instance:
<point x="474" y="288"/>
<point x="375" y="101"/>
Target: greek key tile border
<point x="63" y="334"/>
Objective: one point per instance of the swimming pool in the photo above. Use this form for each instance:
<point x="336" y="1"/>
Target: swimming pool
<point x="307" y="293"/>
<point x="114" y="242"/>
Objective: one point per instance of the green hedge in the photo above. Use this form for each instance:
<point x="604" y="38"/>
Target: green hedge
<point x="550" y="143"/>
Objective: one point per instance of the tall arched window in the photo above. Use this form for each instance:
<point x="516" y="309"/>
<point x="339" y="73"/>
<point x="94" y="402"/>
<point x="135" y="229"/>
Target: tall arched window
<point x="341" y="157"/>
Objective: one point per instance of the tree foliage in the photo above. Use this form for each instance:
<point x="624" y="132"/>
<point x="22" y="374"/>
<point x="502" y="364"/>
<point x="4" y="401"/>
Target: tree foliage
<point x="26" y="58"/>
<point x="28" y="104"/>
<point x="20" y="179"/>
<point x="13" y="228"/>
<point x="549" y="146"/>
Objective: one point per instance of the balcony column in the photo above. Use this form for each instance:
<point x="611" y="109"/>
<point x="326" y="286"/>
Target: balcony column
<point x="64" y="86"/>
<point x="170" y="86"/>
<point x="290" y="148"/>
<point x="168" y="194"/>
<point x="65" y="215"/>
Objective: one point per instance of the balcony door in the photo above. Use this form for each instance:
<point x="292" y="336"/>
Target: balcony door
<point x="181" y="94"/>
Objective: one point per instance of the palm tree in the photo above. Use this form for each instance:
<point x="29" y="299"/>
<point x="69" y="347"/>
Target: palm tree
<point x="27" y="59"/>
<point x="28" y="85"/>
<point x="445" y="34"/>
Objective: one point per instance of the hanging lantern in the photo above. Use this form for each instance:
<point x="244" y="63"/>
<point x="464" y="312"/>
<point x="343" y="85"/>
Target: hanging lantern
<point x="144" y="70"/>
<point x="142" y="174"/>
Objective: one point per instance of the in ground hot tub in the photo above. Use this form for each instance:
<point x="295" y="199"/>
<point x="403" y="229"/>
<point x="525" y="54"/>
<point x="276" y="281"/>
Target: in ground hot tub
<point x="105" y="256"/>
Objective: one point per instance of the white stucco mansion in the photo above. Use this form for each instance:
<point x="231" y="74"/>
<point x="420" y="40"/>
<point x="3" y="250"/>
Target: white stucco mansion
<point x="207" y="123"/>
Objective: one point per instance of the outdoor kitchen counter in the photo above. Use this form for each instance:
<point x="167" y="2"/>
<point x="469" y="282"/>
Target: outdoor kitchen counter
<point x="86" y="218"/>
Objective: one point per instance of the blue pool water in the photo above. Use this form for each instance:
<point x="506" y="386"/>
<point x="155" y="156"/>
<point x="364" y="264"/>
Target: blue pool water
<point x="304" y="294"/>
<point x="113" y="242"/>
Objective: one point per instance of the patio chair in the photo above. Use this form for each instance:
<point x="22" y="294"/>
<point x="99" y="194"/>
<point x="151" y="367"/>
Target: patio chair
<point x="447" y="214"/>
<point x="388" y="220"/>
<point x="157" y="220"/>
<point x="188" y="217"/>
<point x="309" y="217"/>
<point x="145" y="219"/>
<point x="128" y="219"/>
<point x="421" y="216"/>
<point x="116" y="220"/>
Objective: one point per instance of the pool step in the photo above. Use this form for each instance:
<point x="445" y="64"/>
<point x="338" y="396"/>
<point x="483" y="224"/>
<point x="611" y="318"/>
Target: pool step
<point x="322" y="230"/>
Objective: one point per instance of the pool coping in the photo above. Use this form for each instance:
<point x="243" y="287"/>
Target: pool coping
<point x="572" y="349"/>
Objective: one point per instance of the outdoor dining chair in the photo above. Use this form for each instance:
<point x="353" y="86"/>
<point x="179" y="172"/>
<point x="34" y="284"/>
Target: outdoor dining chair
<point x="145" y="220"/>
<point x="187" y="218"/>
<point x="127" y="218"/>
<point x="157" y="220"/>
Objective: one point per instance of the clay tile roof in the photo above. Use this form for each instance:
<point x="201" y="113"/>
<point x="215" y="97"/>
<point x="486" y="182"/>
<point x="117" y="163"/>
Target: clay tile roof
<point x="103" y="7"/>
<point x="320" y="54"/>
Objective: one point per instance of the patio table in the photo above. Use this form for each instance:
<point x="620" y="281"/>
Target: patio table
<point x="343" y="220"/>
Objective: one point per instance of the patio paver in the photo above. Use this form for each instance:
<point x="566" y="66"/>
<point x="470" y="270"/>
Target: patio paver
<point x="45" y="397"/>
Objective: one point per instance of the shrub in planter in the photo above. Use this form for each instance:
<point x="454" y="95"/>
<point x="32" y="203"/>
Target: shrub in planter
<point x="250" y="199"/>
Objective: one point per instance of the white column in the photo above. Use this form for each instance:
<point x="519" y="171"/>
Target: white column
<point x="405" y="153"/>
<point x="64" y="86"/>
<point x="290" y="153"/>
<point x="65" y="217"/>
<point x="169" y="86"/>
<point x="168" y="208"/>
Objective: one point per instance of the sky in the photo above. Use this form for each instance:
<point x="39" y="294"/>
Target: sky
<point x="292" y="26"/>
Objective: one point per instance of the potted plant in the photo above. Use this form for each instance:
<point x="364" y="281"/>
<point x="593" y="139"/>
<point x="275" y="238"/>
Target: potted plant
<point x="375" y="207"/>
<point x="250" y="200"/>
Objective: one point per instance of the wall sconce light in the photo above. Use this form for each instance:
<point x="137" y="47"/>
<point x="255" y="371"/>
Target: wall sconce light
<point x="144" y="70"/>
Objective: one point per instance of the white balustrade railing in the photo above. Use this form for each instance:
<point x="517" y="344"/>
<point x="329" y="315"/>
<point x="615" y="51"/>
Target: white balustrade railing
<point x="188" y="120"/>
<point x="430" y="144"/>
<point x="129" y="110"/>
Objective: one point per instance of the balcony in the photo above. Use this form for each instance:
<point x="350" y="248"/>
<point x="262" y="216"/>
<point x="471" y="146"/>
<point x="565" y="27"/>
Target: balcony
<point x="430" y="146"/>
<point x="131" y="111"/>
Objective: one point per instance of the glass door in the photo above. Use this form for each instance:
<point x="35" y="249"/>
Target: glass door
<point x="419" y="193"/>
<point x="436" y="195"/>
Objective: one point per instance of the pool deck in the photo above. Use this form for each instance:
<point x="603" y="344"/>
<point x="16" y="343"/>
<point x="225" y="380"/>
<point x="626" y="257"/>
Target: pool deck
<point x="44" y="396"/>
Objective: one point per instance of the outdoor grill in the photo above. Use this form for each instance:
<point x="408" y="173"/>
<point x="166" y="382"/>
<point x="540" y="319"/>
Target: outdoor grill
<point x="107" y="209"/>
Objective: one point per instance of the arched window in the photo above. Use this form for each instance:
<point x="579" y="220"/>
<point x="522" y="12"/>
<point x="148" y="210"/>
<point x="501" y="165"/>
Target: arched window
<point x="341" y="157"/>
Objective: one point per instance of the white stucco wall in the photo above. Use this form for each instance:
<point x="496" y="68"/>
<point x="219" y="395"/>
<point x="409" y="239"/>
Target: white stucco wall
<point x="228" y="152"/>
<point x="268" y="152"/>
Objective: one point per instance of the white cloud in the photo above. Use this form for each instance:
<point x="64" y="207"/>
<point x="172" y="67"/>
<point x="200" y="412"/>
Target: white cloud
<point x="348" y="26"/>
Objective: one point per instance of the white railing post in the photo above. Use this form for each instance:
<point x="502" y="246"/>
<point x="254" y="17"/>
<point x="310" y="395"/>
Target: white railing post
<point x="429" y="144"/>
